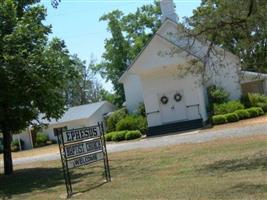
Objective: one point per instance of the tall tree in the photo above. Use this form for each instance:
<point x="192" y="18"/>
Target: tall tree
<point x="129" y="34"/>
<point x="86" y="88"/>
<point x="241" y="29"/>
<point x="33" y="72"/>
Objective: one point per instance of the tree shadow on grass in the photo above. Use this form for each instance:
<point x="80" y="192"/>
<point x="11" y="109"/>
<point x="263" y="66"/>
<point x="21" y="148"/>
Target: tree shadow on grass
<point x="243" y="189"/>
<point x="41" y="179"/>
<point x="248" y="188"/>
<point x="256" y="161"/>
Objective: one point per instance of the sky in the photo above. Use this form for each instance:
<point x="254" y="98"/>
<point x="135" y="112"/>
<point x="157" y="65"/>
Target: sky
<point x="77" y="23"/>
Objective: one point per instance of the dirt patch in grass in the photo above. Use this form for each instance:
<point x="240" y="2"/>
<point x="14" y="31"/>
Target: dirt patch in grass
<point x="232" y="168"/>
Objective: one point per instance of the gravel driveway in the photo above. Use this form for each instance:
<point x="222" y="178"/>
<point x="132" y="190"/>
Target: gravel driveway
<point x="166" y="140"/>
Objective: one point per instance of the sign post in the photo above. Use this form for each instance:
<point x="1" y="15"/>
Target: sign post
<point x="83" y="146"/>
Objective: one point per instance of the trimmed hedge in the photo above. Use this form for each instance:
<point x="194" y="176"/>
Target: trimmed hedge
<point x="118" y="136"/>
<point x="242" y="114"/>
<point x="130" y="135"/>
<point x="237" y="115"/>
<point x="232" y="117"/>
<point x="260" y="111"/>
<point x="122" y="135"/>
<point x="108" y="136"/>
<point x="219" y="119"/>
<point x="229" y="107"/>
<point x="253" y="112"/>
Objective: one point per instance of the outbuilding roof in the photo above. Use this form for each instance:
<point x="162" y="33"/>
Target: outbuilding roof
<point x="77" y="113"/>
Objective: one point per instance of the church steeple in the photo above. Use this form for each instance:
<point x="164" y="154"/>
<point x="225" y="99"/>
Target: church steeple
<point x="168" y="10"/>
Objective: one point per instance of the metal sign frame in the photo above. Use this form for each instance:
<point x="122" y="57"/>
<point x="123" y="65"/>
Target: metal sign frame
<point x="65" y="159"/>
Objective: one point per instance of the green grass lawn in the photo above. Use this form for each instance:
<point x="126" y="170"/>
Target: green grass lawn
<point x="222" y="169"/>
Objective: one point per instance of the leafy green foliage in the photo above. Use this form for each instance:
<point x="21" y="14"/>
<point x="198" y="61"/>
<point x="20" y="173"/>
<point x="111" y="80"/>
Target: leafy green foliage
<point x="231" y="117"/>
<point x="118" y="136"/>
<point x="41" y="139"/>
<point x="108" y="136"/>
<point x="253" y="112"/>
<point x="242" y="114"/>
<point x="258" y="100"/>
<point x="237" y="115"/>
<point x="129" y="34"/>
<point x="259" y="110"/>
<point x="85" y="88"/>
<point x="219" y="119"/>
<point x="114" y="118"/>
<point x="245" y="101"/>
<point x="141" y="110"/>
<point x="131" y="135"/>
<point x="33" y="71"/>
<point x="228" y="107"/>
<point x="15" y="145"/>
<point x="131" y="122"/>
<point x="107" y="96"/>
<point x="217" y="95"/>
<point x="240" y="29"/>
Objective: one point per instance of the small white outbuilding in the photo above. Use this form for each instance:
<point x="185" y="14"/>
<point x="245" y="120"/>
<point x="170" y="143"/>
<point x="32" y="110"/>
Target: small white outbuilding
<point x="75" y="117"/>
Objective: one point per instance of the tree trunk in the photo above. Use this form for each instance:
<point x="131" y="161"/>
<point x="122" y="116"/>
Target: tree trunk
<point x="8" y="164"/>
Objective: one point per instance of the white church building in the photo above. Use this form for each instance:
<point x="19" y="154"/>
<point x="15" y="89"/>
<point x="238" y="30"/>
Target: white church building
<point x="174" y="99"/>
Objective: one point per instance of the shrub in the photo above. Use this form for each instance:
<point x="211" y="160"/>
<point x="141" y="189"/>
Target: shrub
<point x="217" y="95"/>
<point x="232" y="117"/>
<point x="263" y="106"/>
<point x="253" y="112"/>
<point x="118" y="136"/>
<point x="245" y="101"/>
<point x="141" y="110"/>
<point x="242" y="114"/>
<point x="14" y="148"/>
<point x="15" y="145"/>
<point x="259" y="110"/>
<point x="229" y="107"/>
<point x="219" y="119"/>
<point x="131" y="122"/>
<point x="114" y="118"/>
<point x="258" y="100"/>
<point x="122" y="135"/>
<point x="41" y="139"/>
<point x="130" y="135"/>
<point x="142" y="124"/>
<point x="16" y="142"/>
<point x="108" y="136"/>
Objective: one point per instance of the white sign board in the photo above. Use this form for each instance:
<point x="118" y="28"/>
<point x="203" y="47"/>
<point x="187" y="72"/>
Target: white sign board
<point x="80" y="134"/>
<point x="84" y="147"/>
<point x="85" y="160"/>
